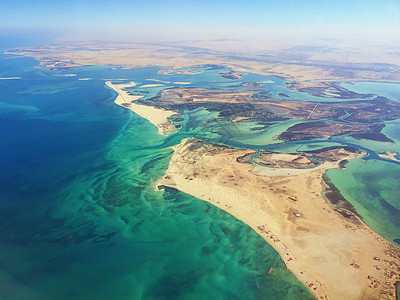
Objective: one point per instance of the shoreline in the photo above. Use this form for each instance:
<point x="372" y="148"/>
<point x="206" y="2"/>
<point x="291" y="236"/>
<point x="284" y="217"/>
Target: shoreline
<point x="322" y="72"/>
<point x="321" y="248"/>
<point x="157" y="116"/>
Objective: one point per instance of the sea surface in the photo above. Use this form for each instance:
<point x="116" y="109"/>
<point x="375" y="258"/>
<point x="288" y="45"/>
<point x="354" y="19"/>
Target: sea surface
<point x="80" y="217"/>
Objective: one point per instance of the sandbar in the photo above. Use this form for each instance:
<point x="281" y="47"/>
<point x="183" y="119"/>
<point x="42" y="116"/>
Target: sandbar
<point x="182" y="82"/>
<point x="156" y="116"/>
<point x="151" y="85"/>
<point x="335" y="257"/>
<point x="239" y="119"/>
<point x="66" y="75"/>
<point x="389" y="155"/>
<point x="157" y="80"/>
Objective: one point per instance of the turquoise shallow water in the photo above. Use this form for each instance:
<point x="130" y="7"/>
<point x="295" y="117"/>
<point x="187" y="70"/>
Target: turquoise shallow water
<point x="80" y="217"/>
<point x="388" y="90"/>
<point x="372" y="187"/>
<point x="82" y="220"/>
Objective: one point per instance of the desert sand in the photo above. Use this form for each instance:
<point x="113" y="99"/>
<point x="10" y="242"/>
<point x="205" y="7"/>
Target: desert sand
<point x="156" y="116"/>
<point x="303" y="74"/>
<point x="335" y="257"/>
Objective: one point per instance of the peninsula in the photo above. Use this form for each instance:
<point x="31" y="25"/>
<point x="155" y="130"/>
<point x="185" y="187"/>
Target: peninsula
<point x="156" y="116"/>
<point x="281" y="196"/>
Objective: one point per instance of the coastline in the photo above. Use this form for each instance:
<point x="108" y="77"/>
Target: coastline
<point x="334" y="257"/>
<point x="304" y="75"/>
<point x="157" y="116"/>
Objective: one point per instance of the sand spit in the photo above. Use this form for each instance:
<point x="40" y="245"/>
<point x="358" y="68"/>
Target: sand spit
<point x="158" y="117"/>
<point x="182" y="82"/>
<point x="239" y="119"/>
<point x="151" y="85"/>
<point x="389" y="155"/>
<point x="335" y="257"/>
<point x="157" y="80"/>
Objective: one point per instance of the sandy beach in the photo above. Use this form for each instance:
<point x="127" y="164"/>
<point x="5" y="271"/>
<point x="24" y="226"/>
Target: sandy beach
<point x="156" y="116"/>
<point x="333" y="256"/>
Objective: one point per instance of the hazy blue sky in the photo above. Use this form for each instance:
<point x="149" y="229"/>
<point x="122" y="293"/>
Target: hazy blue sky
<point x="198" y="13"/>
<point x="187" y="19"/>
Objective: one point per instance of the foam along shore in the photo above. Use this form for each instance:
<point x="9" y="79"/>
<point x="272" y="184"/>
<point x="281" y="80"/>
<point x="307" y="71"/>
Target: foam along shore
<point x="156" y="116"/>
<point x="334" y="256"/>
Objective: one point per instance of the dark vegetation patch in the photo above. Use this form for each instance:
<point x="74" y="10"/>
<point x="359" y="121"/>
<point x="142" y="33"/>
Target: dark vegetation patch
<point x="178" y="120"/>
<point x="343" y="164"/>
<point x="374" y="134"/>
<point x="336" y="89"/>
<point x="338" y="202"/>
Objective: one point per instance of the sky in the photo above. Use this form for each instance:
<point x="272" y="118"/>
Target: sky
<point x="193" y="15"/>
